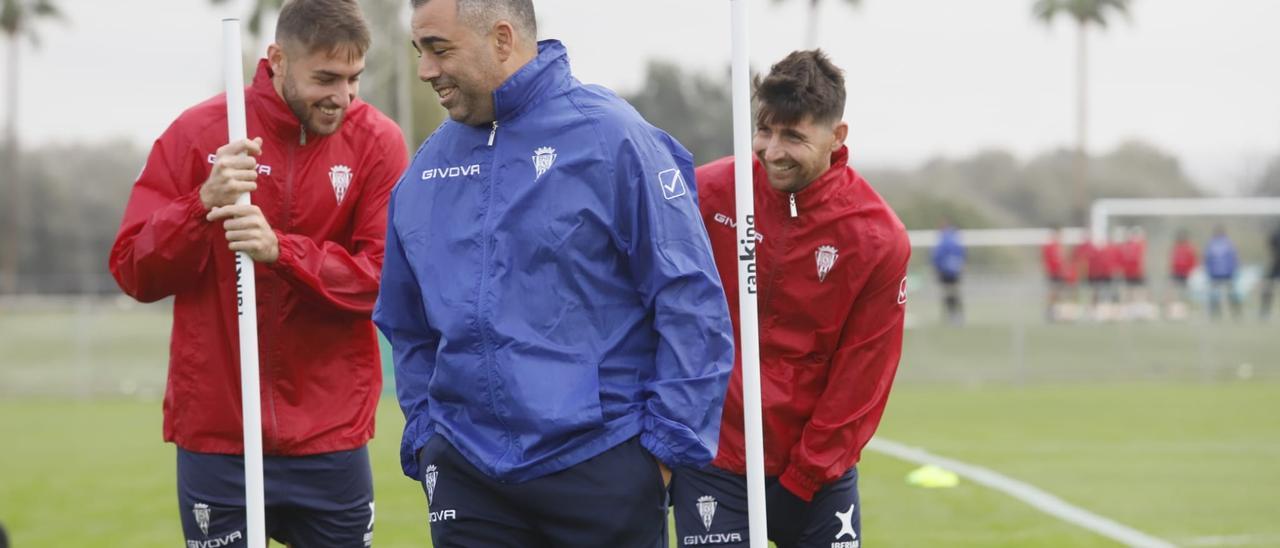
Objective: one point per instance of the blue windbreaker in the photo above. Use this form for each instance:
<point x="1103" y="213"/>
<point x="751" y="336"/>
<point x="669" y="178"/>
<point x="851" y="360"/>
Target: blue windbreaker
<point x="548" y="288"/>
<point x="949" y="255"/>
<point x="1220" y="258"/>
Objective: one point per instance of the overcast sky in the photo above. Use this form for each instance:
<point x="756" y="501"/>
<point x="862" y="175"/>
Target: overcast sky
<point x="926" y="77"/>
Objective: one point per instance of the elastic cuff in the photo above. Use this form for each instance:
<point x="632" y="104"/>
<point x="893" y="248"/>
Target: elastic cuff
<point x="414" y="438"/>
<point x="286" y="254"/>
<point x="659" y="450"/>
<point x="798" y="485"/>
<point x="194" y="207"/>
<point x="673" y="443"/>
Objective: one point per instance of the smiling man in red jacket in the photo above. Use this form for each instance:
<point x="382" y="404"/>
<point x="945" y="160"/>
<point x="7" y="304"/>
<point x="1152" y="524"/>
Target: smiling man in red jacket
<point x="832" y="259"/>
<point x="321" y="167"/>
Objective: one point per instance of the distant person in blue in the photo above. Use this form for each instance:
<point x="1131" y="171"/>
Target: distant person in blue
<point x="1272" y="275"/>
<point x="560" y="335"/>
<point x="1220" y="263"/>
<point x="948" y="261"/>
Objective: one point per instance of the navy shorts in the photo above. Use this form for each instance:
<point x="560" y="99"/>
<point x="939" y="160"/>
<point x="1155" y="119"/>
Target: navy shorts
<point x="615" y="499"/>
<point x="311" y="501"/>
<point x="711" y="510"/>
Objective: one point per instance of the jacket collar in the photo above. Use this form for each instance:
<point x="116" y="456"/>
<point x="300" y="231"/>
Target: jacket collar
<point x="276" y="116"/>
<point x="831" y="181"/>
<point x="545" y="76"/>
<point x="277" y="119"/>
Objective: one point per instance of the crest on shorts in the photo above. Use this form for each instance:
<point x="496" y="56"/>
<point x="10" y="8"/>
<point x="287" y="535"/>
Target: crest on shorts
<point x="826" y="256"/>
<point x="340" y="178"/>
<point x="707" y="509"/>
<point x="429" y="478"/>
<point x="542" y="160"/>
<point x="201" y="511"/>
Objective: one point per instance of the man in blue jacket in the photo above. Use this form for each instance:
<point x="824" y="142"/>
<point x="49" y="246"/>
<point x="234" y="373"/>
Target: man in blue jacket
<point x="561" y="338"/>
<point x="948" y="261"/>
<point x="1220" y="262"/>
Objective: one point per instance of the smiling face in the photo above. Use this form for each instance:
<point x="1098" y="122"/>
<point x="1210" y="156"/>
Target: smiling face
<point x="794" y="155"/>
<point x="319" y="86"/>
<point x="463" y="65"/>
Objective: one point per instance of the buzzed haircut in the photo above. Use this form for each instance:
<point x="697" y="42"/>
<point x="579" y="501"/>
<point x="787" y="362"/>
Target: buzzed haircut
<point x="324" y="25"/>
<point x="482" y="14"/>
<point x="804" y="84"/>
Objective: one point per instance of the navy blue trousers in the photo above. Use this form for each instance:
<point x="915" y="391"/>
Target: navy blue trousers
<point x="711" y="510"/>
<point x="323" y="500"/>
<point x="615" y="499"/>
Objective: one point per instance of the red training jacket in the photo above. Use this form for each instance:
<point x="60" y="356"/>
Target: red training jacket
<point x="1184" y="260"/>
<point x="1134" y="252"/>
<point x="326" y="199"/>
<point x="1051" y="257"/>
<point x="1097" y="260"/>
<point x="832" y="294"/>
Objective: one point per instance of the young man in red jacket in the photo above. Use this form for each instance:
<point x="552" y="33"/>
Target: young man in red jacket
<point x="320" y="168"/>
<point x="1061" y="277"/>
<point x="832" y="259"/>
<point x="1183" y="260"/>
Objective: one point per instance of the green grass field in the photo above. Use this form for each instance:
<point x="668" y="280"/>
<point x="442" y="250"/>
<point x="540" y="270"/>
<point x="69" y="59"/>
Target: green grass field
<point x="1159" y="427"/>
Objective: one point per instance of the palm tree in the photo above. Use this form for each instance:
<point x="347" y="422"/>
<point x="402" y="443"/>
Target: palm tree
<point x="17" y="19"/>
<point x="811" y="28"/>
<point x="1084" y="13"/>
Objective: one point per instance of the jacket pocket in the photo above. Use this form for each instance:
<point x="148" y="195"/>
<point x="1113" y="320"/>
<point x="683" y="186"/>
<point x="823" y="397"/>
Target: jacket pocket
<point x="553" y="395"/>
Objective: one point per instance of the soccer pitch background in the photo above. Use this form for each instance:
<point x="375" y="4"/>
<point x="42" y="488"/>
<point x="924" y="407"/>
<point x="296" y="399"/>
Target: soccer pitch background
<point x="1172" y="429"/>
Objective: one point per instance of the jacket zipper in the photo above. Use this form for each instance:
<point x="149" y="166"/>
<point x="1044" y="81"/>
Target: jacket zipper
<point x="484" y="324"/>
<point x="776" y="261"/>
<point x="286" y="196"/>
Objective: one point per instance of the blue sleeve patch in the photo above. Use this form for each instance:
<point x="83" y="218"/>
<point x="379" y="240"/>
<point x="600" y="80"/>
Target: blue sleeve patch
<point x="672" y="184"/>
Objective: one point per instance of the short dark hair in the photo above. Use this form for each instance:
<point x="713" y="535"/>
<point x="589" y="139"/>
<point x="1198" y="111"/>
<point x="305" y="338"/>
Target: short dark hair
<point x="482" y="14"/>
<point x="804" y="84"/>
<point x="324" y="25"/>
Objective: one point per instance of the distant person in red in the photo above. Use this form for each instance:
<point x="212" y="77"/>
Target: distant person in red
<point x="1182" y="261"/>
<point x="1095" y="259"/>
<point x="1114" y="301"/>
<point x="1062" y="278"/>
<point x="1115" y="253"/>
<point x="1133" y="252"/>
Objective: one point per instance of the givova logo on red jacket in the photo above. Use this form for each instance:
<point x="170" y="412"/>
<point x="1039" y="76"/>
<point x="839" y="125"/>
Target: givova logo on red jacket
<point x="263" y="169"/>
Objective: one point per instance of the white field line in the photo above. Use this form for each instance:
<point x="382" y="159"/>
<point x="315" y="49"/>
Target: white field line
<point x="1024" y="492"/>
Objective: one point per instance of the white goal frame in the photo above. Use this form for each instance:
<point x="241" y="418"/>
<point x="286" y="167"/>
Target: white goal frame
<point x="1102" y="211"/>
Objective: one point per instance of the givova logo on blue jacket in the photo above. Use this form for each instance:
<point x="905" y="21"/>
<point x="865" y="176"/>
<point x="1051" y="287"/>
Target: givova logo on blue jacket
<point x="450" y="172"/>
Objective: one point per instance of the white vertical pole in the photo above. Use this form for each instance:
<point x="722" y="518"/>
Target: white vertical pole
<point x="246" y="299"/>
<point x="1098" y="222"/>
<point x="749" y="342"/>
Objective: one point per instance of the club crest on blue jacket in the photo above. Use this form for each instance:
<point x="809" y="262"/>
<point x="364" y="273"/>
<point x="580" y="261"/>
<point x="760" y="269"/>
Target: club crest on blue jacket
<point x="549" y="289"/>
